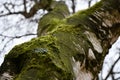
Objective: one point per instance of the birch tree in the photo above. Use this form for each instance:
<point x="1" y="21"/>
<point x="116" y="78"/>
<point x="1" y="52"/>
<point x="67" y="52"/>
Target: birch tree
<point x="67" y="47"/>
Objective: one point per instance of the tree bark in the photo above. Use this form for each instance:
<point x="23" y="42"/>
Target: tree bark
<point x="70" y="49"/>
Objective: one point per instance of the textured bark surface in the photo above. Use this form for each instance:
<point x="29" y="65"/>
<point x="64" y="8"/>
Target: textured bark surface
<point x="71" y="49"/>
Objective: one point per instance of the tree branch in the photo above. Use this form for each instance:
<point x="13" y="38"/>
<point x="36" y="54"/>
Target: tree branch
<point x="117" y="78"/>
<point x="17" y="36"/>
<point x="6" y="7"/>
<point x="116" y="72"/>
<point x="24" y="3"/>
<point x="111" y="70"/>
<point x="12" y="38"/>
<point x="38" y="5"/>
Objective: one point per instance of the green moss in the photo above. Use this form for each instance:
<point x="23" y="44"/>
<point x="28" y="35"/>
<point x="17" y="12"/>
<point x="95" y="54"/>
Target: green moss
<point x="49" y="57"/>
<point x="50" y="54"/>
<point x="92" y="9"/>
<point x="30" y="46"/>
<point x="47" y="22"/>
<point x="81" y="17"/>
<point x="43" y="57"/>
<point x="45" y="70"/>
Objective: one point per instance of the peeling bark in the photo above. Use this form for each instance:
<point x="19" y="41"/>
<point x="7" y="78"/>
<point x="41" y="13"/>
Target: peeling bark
<point x="71" y="49"/>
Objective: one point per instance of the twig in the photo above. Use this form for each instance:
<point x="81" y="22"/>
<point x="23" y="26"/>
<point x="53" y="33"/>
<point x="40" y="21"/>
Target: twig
<point x="17" y="36"/>
<point x="116" y="72"/>
<point x="117" y="78"/>
<point x="11" y="13"/>
<point x="12" y="38"/>
<point x="112" y="68"/>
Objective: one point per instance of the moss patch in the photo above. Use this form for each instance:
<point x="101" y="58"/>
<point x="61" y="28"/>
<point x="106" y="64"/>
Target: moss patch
<point x="42" y="57"/>
<point x="81" y="17"/>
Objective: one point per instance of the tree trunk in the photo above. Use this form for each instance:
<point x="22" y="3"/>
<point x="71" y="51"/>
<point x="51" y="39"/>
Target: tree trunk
<point x="69" y="49"/>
